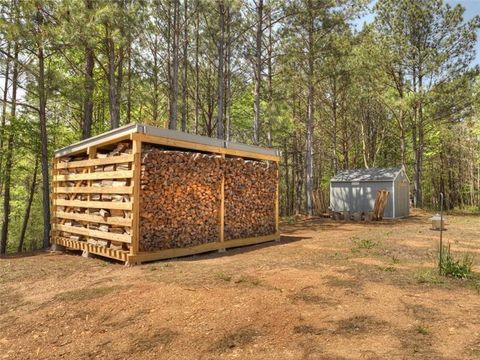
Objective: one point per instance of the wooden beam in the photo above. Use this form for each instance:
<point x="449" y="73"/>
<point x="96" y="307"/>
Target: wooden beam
<point x="136" y="168"/>
<point x="101" y="142"/>
<point x="94" y="233"/>
<point x="114" y="205"/>
<point x="172" y="253"/>
<point x="277" y="210"/>
<point x="115" y="220"/>
<point x="93" y="190"/>
<point x="95" y="249"/>
<point x="202" y="147"/>
<point x="95" y="176"/>
<point x="96" y="162"/>
<point x="221" y="210"/>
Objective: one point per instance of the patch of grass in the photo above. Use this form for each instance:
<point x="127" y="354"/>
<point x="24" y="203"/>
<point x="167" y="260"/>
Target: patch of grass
<point x="308" y="297"/>
<point x="428" y="276"/>
<point x="86" y="293"/>
<point x="238" y="338"/>
<point x="389" y="269"/>
<point x="247" y="279"/>
<point x="363" y="243"/>
<point x="359" y="324"/>
<point x="420" y="329"/>
<point x="224" y="277"/>
<point x="457" y="268"/>
<point x="395" y="259"/>
<point x="307" y="330"/>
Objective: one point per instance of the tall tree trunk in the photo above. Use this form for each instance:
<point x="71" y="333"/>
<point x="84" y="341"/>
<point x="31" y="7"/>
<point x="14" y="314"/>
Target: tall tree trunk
<point x="310" y="117"/>
<point x="287" y="178"/>
<point x="197" y="75"/>
<point x="270" y="78"/>
<point x="185" y="67"/>
<point x="228" y="77"/>
<point x="156" y="82"/>
<point x="88" y="85"/>
<point x="129" y="82"/>
<point x="420" y="144"/>
<point x="42" y="105"/>
<point x="112" y="81"/>
<point x="258" y="73"/>
<point x="172" y="124"/>
<point x="414" y="140"/>
<point x="28" y="208"/>
<point x="401" y="122"/>
<point x="9" y="157"/>
<point x="4" y="112"/>
<point x="221" y="71"/>
<point x="334" y="131"/>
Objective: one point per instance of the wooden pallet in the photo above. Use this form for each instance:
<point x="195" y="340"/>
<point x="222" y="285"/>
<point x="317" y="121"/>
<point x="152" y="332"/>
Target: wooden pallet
<point x="83" y="185"/>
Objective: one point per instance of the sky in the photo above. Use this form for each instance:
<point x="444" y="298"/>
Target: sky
<point x="472" y="8"/>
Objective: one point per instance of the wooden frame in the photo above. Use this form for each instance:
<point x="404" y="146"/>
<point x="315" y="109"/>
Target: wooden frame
<point x="133" y="255"/>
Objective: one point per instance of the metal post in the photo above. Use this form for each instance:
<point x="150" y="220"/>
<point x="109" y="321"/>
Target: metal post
<point x="441" y="233"/>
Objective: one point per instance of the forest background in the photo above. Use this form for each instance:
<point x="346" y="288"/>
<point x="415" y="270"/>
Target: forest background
<point x="333" y="84"/>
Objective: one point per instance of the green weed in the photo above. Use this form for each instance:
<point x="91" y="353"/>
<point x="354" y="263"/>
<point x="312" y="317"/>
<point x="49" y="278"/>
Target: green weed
<point x="428" y="276"/>
<point x="224" y="277"/>
<point x="457" y="268"/>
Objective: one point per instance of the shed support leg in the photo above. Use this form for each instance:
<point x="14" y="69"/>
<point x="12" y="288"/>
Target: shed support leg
<point x="56" y="247"/>
<point x="87" y="254"/>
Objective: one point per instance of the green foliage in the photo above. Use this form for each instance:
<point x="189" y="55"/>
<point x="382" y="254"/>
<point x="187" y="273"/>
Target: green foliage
<point x="457" y="268"/>
<point x="428" y="276"/>
<point x="364" y="243"/>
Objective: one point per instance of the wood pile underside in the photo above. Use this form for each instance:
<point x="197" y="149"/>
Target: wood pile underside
<point x="93" y="202"/>
<point x="181" y="198"/>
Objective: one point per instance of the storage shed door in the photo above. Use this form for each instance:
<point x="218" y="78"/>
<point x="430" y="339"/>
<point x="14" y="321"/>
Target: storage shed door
<point x="365" y="194"/>
<point x="402" y="197"/>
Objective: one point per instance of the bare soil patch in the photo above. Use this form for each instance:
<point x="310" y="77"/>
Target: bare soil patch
<point x="328" y="290"/>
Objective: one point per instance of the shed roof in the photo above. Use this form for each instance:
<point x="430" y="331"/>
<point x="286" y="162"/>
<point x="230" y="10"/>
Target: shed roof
<point x="176" y="137"/>
<point x="372" y="174"/>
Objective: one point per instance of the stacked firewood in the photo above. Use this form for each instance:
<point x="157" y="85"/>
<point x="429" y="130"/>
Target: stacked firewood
<point x="250" y="194"/>
<point x="122" y="148"/>
<point x="180" y="199"/>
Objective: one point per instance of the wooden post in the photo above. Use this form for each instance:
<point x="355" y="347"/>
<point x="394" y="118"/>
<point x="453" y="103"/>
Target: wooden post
<point x="92" y="153"/>
<point x="277" y="213"/>
<point x="221" y="212"/>
<point x="137" y="168"/>
<point x="53" y="221"/>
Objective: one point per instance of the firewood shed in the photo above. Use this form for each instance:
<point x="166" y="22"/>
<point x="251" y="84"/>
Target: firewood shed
<point x="356" y="191"/>
<point x="141" y="193"/>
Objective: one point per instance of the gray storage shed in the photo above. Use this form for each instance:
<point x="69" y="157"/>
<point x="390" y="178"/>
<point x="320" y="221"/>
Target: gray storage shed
<point x="356" y="190"/>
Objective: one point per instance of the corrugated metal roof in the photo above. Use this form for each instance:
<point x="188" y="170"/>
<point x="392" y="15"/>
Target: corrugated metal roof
<point x="165" y="133"/>
<point x="373" y="174"/>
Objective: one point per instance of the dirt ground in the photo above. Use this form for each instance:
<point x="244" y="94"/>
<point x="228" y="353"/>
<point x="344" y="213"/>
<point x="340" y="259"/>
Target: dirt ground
<point x="328" y="290"/>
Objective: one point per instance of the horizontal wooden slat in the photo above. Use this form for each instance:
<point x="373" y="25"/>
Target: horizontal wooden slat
<point x="94" y="218"/>
<point x="94" y="233"/>
<point x="95" y="249"/>
<point x="101" y="175"/>
<point x="114" y="205"/>
<point x="96" y="162"/>
<point x="93" y="190"/>
<point x="171" y="253"/>
<point x="202" y="147"/>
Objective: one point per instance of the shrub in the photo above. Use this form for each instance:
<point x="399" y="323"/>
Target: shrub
<point x="457" y="268"/>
